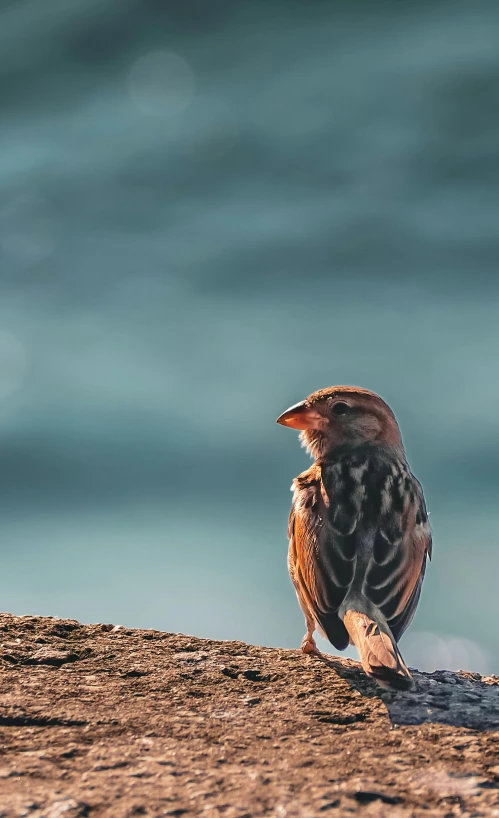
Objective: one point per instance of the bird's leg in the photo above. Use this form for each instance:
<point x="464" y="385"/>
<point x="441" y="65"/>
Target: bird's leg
<point x="308" y="642"/>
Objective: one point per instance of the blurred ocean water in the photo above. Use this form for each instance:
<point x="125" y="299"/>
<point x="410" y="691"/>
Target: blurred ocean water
<point x="205" y="214"/>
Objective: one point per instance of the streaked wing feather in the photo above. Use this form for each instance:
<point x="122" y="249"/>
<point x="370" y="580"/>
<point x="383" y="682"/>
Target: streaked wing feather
<point x="359" y="527"/>
<point x="400" y="623"/>
<point x="395" y="573"/>
<point x="317" y="579"/>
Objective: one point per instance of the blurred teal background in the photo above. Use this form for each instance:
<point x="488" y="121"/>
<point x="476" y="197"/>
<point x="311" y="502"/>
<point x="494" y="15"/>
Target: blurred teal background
<point x="207" y="211"/>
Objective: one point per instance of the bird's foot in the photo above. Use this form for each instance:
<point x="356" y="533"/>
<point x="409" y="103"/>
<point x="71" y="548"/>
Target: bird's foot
<point x="308" y="646"/>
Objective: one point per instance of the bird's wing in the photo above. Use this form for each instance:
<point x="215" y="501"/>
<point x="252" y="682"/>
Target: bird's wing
<point x="418" y="545"/>
<point x="401" y="622"/>
<point x="401" y="544"/>
<point x="359" y="533"/>
<point x="320" y="583"/>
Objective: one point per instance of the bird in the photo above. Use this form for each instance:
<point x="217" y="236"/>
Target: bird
<point x="359" y="534"/>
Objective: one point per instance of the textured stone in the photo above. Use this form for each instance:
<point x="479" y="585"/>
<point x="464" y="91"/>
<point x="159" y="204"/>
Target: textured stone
<point x="149" y="723"/>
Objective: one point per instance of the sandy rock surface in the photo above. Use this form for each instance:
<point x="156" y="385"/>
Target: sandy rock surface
<point x="101" y="721"/>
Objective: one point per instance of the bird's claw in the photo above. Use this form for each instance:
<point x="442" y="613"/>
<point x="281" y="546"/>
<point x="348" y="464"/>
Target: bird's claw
<point x="308" y="646"/>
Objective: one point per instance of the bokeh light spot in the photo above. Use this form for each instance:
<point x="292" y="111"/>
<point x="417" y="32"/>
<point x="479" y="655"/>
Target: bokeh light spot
<point x="431" y="651"/>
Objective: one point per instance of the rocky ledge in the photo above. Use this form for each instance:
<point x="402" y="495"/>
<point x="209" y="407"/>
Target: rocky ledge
<point x="100" y="720"/>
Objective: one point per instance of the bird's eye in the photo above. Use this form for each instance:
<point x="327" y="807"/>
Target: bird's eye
<point x="340" y="408"/>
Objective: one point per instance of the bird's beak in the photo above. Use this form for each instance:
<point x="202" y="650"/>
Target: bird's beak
<point x="301" y="417"/>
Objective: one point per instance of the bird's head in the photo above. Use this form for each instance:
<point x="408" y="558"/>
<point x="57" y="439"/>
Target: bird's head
<point x="340" y="415"/>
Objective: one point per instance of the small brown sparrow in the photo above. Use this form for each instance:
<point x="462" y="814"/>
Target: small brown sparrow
<point x="358" y="529"/>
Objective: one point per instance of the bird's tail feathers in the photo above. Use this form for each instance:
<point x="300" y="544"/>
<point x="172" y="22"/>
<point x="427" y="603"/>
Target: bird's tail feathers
<point x="378" y="651"/>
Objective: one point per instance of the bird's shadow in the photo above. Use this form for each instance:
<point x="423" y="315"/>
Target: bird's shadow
<point x="460" y="699"/>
